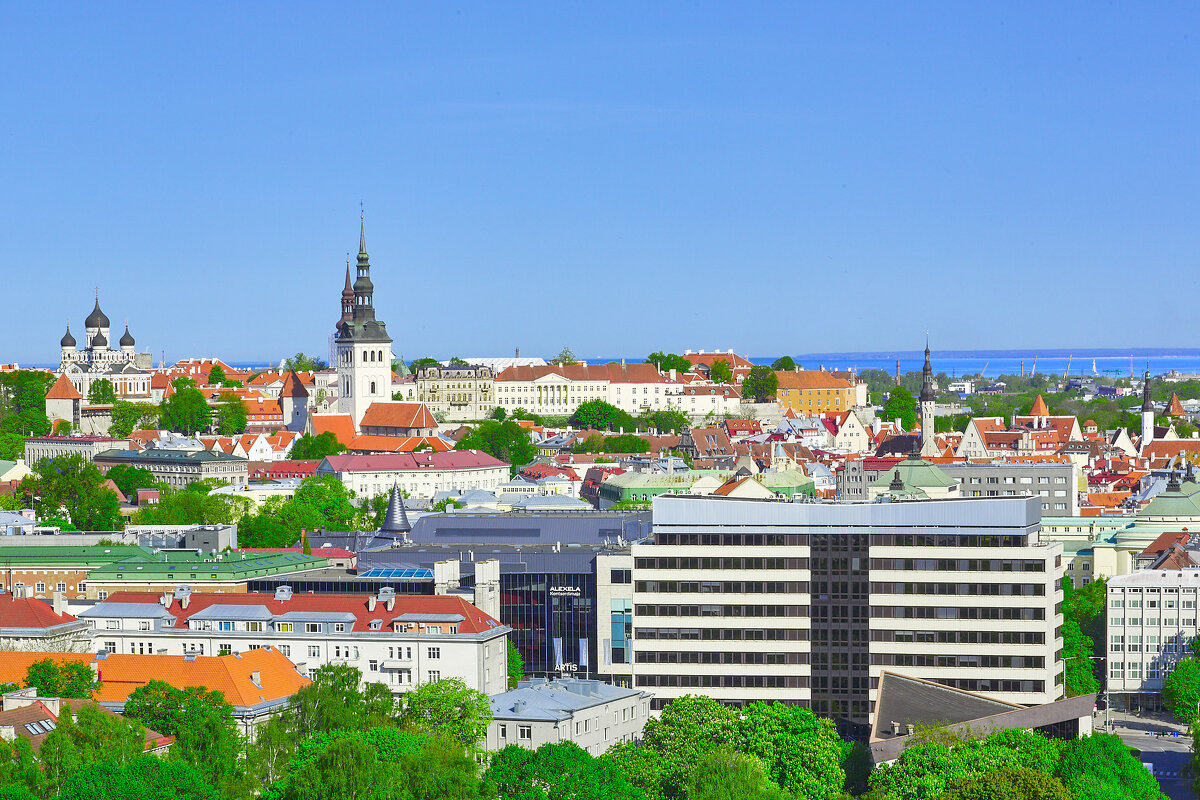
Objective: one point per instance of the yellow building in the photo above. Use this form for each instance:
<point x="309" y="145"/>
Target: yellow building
<point x="813" y="392"/>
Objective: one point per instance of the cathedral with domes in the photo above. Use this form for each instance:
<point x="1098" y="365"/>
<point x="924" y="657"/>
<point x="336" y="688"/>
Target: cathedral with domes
<point x="126" y="369"/>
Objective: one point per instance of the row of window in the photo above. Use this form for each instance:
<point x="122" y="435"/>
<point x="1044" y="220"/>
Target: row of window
<point x="722" y="611"/>
<point x="705" y="657"/>
<point x="723" y="587"/>
<point x="1136" y="602"/>
<point x="961" y="564"/>
<point x="685" y="562"/>
<point x="929" y="660"/>
<point x="962" y="589"/>
<point x="1167" y="622"/>
<point x="944" y="612"/>
<point x="726" y="681"/>
<point x="960" y="637"/>
<point x="725" y="634"/>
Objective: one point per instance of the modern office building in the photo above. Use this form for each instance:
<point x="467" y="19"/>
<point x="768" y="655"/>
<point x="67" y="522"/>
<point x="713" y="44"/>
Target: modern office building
<point x="808" y="603"/>
<point x="1150" y="622"/>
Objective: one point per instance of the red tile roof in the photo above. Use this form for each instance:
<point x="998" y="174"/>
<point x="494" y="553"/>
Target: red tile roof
<point x="342" y="426"/>
<point x="63" y="389"/>
<point x="732" y="359"/>
<point x="396" y="444"/>
<point x="474" y="620"/>
<point x="397" y="415"/>
<point x="28" y="612"/>
<point x="810" y="379"/>
<point x="292" y="386"/>
<point x="1039" y="408"/>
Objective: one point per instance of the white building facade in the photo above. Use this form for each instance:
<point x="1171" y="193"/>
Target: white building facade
<point x="421" y="474"/>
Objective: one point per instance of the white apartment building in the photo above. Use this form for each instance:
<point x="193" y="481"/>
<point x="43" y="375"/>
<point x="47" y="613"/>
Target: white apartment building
<point x="1150" y="622"/>
<point x="592" y="714"/>
<point x="808" y="603"/>
<point x="88" y="447"/>
<point x="422" y="474"/>
<point x="396" y="640"/>
<point x="558" y="391"/>
<point x="704" y="400"/>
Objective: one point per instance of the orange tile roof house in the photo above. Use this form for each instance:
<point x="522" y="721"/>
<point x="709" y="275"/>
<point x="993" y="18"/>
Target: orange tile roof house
<point x="257" y="683"/>
<point x="812" y="391"/>
<point x="398" y="419"/>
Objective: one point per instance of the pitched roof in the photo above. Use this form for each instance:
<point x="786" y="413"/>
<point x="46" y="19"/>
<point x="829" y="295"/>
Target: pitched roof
<point x="356" y="607"/>
<point x="292" y="386"/>
<point x="708" y="359"/>
<point x="407" y="462"/>
<point x="29" y="612"/>
<point x="121" y="673"/>
<point x="1174" y="407"/>
<point x="63" y="389"/>
<point x="1039" y="408"/>
<point x="28" y="721"/>
<point x="613" y="373"/>
<point x="396" y="444"/>
<point x="397" y="415"/>
<point x="810" y="379"/>
<point x="341" y="425"/>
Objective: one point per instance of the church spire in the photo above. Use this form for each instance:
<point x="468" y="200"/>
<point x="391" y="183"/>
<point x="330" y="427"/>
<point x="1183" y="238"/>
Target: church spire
<point x="1147" y="401"/>
<point x="364" y="290"/>
<point x="927" y="392"/>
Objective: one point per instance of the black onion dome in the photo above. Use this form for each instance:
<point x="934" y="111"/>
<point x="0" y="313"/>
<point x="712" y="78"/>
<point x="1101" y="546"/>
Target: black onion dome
<point x="68" y="340"/>
<point x="126" y="340"/>
<point x="96" y="319"/>
<point x="99" y="341"/>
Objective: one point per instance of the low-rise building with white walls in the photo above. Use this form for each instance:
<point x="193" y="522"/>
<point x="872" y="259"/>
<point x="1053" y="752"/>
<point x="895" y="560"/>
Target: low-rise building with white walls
<point x="421" y="474"/>
<point x="592" y="714"/>
<point x="397" y="640"/>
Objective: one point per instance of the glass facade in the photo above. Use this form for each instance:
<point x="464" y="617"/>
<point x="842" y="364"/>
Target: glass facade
<point x="553" y="617"/>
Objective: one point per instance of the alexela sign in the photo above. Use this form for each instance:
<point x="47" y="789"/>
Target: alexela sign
<point x="565" y="591"/>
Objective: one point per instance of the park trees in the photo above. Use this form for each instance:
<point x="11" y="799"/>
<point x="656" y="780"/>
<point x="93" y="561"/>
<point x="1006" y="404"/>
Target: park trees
<point x="784" y="364"/>
<point x="74" y="486"/>
<point x="901" y="406"/>
<point x="231" y="414"/>
<point x="726" y="774"/>
<point x="128" y="417"/>
<point x="87" y="737"/>
<point x="101" y="392"/>
<point x="602" y="416"/>
<point x="448" y="708"/>
<point x="761" y="384"/>
<point x="185" y="410"/>
<point x="61" y="678"/>
<point x="720" y="372"/>
<point x="1181" y="690"/>
<point x="145" y="778"/>
<point x="559" y="771"/>
<point x="201" y="720"/>
<point x="129" y="478"/>
<point x="1077" y="660"/>
<point x="302" y="362"/>
<point x="505" y="440"/>
<point x="309" y="447"/>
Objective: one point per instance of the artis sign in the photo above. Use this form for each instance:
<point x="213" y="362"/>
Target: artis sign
<point x="567" y="667"/>
<point x="565" y="591"/>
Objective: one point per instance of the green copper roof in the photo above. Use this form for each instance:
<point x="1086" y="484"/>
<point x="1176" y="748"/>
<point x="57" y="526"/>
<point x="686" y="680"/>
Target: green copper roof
<point x="1172" y="503"/>
<point x="183" y="565"/>
<point x="916" y="474"/>
<point x="36" y="556"/>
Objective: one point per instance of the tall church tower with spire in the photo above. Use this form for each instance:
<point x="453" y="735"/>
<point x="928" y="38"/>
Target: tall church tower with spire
<point x="363" y="347"/>
<point x="1147" y="412"/>
<point x="927" y="401"/>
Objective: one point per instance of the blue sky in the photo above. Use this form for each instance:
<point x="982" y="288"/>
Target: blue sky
<point x="776" y="178"/>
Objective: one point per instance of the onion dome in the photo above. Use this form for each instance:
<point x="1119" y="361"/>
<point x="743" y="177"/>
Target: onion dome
<point x="96" y="319"/>
<point x="67" y="340"/>
<point x="126" y="339"/>
<point x="99" y="341"/>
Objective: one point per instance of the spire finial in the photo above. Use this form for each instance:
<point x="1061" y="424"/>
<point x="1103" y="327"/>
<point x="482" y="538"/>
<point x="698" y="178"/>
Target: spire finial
<point x="362" y="235"/>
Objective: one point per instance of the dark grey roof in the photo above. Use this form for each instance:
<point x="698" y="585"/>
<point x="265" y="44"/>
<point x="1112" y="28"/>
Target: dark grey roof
<point x="97" y="318"/>
<point x="166" y="456"/>
<point x="126" y="339"/>
<point x="909" y="700"/>
<point x="68" y="340"/>
<point x="899" y="445"/>
<point x="593" y="528"/>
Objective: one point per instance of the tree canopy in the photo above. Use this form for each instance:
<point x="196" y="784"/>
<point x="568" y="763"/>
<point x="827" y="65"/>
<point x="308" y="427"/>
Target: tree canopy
<point x="558" y="771"/>
<point x="75" y="487"/>
<point x="185" y="411"/>
<point x="302" y="362"/>
<point x="128" y="417"/>
<point x="505" y="440"/>
<point x="61" y="678"/>
<point x="101" y="392"/>
<point x="22" y="410"/>
<point x="1181" y="690"/>
<point x="901" y="406"/>
<point x="720" y="372"/>
<point x="665" y="362"/>
<point x="784" y="364"/>
<point x="317" y="447"/>
<point x="449" y="708"/>
<point x="565" y="357"/>
<point x="231" y="415"/>
<point x="761" y="384"/>
<point x="602" y="416"/>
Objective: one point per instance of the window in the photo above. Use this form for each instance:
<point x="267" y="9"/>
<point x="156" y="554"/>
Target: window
<point x="435" y="675"/>
<point x="373" y="665"/>
<point x="524" y="732"/>
<point x="285" y="649"/>
<point x="224" y="626"/>
<point x="283" y="627"/>
<point x="312" y="627"/>
<point x="314" y="651"/>
<point x="110" y="647"/>
<point x="143" y="624"/>
<point x="62" y="587"/>
<point x="41" y="586"/>
<point x="111" y="624"/>
<point x="254" y="626"/>
<point x="502" y="730"/>
<point x="435" y="652"/>
<point x="339" y="627"/>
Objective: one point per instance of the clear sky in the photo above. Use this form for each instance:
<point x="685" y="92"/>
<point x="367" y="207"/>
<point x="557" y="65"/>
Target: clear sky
<point x="620" y="178"/>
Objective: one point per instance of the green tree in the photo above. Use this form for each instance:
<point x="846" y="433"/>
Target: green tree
<point x="193" y="505"/>
<point x="101" y="392"/>
<point x="560" y="771"/>
<point x="1181" y="690"/>
<point x="564" y="357"/>
<point x="516" y="665"/>
<point x="304" y="363"/>
<point x="802" y="753"/>
<point x="309" y="447"/>
<point x="337" y="699"/>
<point x="19" y="766"/>
<point x="1077" y="660"/>
<point x="687" y="729"/>
<point x="207" y="737"/>
<point x="73" y="485"/>
<point x="216" y="376"/>
<point x="23" y="407"/>
<point x="902" y="406"/>
<point x="1102" y="766"/>
<point x="784" y="364"/>
<point x="129" y="479"/>
<point x="720" y="372"/>
<point x="665" y="362"/>
<point x="498" y="414"/>
<point x="761" y="384"/>
<point x="1009" y="784"/>
<point x="666" y="420"/>
<point x="449" y="708"/>
<point x="729" y="775"/>
<point x="128" y="417"/>
<point x="602" y="416"/>
<point x="185" y="411"/>
<point x="61" y="678"/>
<point x="231" y="415"/>
<point x="505" y="440"/>
<point x="89" y="736"/>
<point x="147" y="778"/>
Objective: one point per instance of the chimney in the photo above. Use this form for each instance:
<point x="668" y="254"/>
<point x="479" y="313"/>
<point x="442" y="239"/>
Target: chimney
<point x="167" y="599"/>
<point x="256" y="678"/>
<point x="59" y="604"/>
<point x="371" y="603"/>
<point x="391" y="603"/>
<point x="673" y="374"/>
